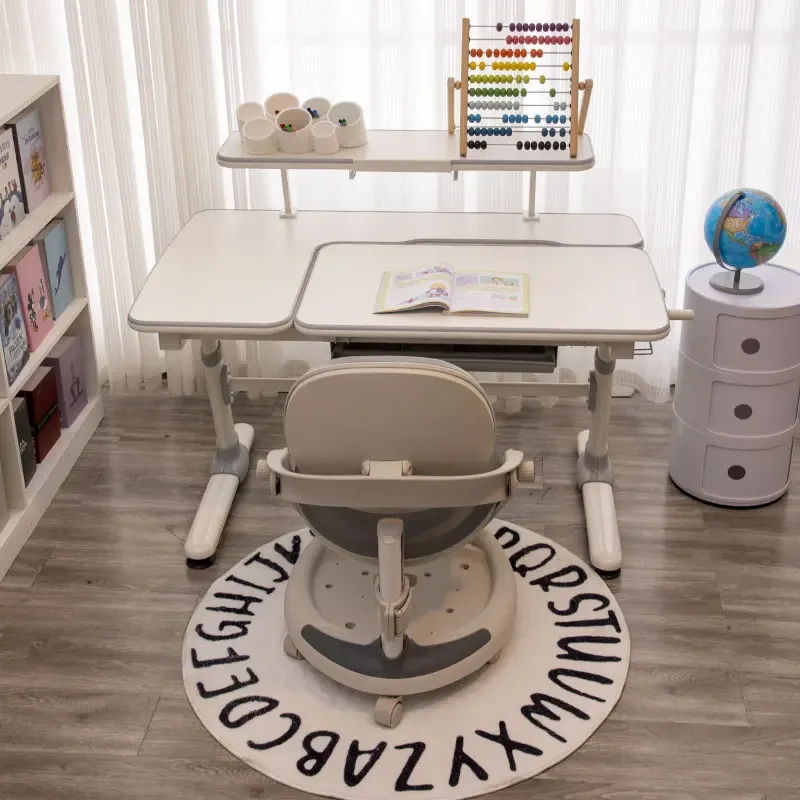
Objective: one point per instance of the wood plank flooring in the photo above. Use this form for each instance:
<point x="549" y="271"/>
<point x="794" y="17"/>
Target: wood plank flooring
<point x="93" y="611"/>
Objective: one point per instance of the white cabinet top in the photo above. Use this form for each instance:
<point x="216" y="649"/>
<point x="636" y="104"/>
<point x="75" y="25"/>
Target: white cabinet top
<point x="781" y="290"/>
<point x="17" y="92"/>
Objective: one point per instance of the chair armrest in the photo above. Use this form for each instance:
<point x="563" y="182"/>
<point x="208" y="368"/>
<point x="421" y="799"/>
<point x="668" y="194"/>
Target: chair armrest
<point x="406" y="492"/>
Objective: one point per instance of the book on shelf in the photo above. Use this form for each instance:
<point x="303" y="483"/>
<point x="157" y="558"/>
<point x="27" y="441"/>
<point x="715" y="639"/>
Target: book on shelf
<point x="36" y="308"/>
<point x="439" y="286"/>
<point x="24" y="439"/>
<point x="67" y="361"/>
<point x="12" y="329"/>
<point x="53" y="251"/>
<point x="41" y="396"/>
<point x="12" y="204"/>
<point x="31" y="158"/>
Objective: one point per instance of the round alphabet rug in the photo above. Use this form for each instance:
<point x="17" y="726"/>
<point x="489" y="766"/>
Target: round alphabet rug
<point x="557" y="680"/>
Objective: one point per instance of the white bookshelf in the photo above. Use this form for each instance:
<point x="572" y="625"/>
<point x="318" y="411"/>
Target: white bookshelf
<point x="26" y="504"/>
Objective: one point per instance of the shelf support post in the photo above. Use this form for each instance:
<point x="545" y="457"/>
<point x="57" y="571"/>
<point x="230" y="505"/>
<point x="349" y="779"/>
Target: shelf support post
<point x="288" y="212"/>
<point x="530" y="215"/>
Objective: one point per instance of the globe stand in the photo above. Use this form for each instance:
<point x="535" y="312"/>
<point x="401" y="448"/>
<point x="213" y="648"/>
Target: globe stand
<point x="735" y="282"/>
<point x="731" y="281"/>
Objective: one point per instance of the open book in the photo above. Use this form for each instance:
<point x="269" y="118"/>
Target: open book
<point x="440" y="286"/>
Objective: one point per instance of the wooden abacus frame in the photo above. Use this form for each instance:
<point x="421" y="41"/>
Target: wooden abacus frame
<point x="577" y="123"/>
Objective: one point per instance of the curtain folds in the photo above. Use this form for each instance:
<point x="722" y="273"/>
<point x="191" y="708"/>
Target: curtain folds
<point x="692" y="97"/>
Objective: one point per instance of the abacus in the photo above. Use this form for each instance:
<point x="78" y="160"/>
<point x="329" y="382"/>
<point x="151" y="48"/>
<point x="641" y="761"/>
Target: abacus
<point x="526" y="76"/>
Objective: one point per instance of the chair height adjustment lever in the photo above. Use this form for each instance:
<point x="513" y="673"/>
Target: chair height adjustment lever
<point x="394" y="616"/>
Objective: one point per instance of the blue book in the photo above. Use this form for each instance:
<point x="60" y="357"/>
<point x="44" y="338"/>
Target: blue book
<point x="12" y="329"/>
<point x="52" y="243"/>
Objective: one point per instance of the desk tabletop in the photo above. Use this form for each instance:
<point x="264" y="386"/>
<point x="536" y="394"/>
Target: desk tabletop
<point x="239" y="274"/>
<point x="578" y="295"/>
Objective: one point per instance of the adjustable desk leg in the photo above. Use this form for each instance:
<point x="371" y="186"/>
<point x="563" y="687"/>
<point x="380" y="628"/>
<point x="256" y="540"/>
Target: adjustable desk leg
<point x="595" y="474"/>
<point x="230" y="464"/>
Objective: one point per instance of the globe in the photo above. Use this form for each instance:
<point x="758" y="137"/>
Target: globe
<point x="753" y="228"/>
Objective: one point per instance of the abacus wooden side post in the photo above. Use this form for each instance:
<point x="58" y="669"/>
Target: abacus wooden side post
<point x="451" y="102"/>
<point x="573" y="110"/>
<point x="587" y="96"/>
<point x="462" y="133"/>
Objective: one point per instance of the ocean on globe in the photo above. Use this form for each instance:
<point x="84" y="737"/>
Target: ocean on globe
<point x="753" y="230"/>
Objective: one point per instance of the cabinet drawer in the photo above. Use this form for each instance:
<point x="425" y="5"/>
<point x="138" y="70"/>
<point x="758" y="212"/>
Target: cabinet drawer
<point x="752" y="410"/>
<point x="752" y="475"/>
<point x="757" y="345"/>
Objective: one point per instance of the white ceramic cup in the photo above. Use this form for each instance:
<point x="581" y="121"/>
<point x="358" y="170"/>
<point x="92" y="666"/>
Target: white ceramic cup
<point x="276" y="103"/>
<point x="323" y="136"/>
<point x="298" y="140"/>
<point x="260" y="136"/>
<point x="247" y="111"/>
<point x="317" y="107"/>
<point x="349" y="121"/>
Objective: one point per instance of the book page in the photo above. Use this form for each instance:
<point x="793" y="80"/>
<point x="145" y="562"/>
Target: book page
<point x="430" y="285"/>
<point x="490" y="293"/>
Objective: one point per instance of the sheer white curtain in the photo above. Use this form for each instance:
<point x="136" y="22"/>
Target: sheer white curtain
<point x="692" y="97"/>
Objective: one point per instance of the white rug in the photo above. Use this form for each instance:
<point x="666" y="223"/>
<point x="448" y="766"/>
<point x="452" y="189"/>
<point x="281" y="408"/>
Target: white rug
<point x="557" y="680"/>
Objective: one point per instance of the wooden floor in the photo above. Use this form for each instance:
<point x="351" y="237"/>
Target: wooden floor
<point x="92" y="616"/>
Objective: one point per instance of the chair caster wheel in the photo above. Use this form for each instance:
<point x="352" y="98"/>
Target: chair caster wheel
<point x="389" y="711"/>
<point x="291" y="650"/>
<point x="199" y="563"/>
<point x="495" y="658"/>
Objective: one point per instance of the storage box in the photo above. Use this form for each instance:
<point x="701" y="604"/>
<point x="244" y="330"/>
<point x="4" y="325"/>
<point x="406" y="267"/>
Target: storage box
<point x="67" y="361"/>
<point x="27" y="454"/>
<point x="41" y="398"/>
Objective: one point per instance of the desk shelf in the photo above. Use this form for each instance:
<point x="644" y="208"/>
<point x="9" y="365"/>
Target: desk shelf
<point x="412" y="151"/>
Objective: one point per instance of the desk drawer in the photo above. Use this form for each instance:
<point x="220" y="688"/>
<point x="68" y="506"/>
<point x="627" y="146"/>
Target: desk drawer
<point x="473" y="358"/>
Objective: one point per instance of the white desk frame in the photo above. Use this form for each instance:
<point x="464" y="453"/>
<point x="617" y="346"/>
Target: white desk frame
<point x="261" y="249"/>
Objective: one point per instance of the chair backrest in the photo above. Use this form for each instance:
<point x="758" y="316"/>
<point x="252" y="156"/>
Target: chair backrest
<point x="424" y="411"/>
<point x="428" y="412"/>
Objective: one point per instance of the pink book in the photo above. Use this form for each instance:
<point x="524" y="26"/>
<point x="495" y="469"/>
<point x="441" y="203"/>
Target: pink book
<point x="66" y="358"/>
<point x="37" y="311"/>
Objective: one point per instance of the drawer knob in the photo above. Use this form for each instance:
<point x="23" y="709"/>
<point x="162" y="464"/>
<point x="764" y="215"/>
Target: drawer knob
<point x="743" y="411"/>
<point x="736" y="472"/>
<point x="751" y="346"/>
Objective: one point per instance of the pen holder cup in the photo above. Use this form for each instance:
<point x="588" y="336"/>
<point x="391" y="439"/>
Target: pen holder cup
<point x="276" y="103"/>
<point x="248" y="111"/>
<point x="323" y="135"/>
<point x="260" y="136"/>
<point x="317" y="106"/>
<point x="349" y="121"/>
<point x="294" y="130"/>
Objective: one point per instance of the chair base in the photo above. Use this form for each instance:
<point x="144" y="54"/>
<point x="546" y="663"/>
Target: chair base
<point x="462" y="615"/>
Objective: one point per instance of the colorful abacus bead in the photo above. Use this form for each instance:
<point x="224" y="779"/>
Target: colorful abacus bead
<point x="565" y="66"/>
<point x="552" y="93"/>
<point x="523" y="92"/>
<point x="562" y="119"/>
<point x="537" y="119"/>
<point x="542" y="79"/>
<point x="499" y="26"/>
<point x="562" y="132"/>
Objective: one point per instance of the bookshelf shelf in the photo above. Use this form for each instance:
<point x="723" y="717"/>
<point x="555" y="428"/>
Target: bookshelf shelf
<point x="61" y="326"/>
<point x="32" y="224"/>
<point x="22" y="506"/>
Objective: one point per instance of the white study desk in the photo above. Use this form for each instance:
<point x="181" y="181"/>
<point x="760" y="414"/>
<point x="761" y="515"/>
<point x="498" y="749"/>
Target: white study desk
<point x="251" y="275"/>
<point x="254" y="264"/>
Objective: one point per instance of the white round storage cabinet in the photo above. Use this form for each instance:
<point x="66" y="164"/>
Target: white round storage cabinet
<point x="737" y="390"/>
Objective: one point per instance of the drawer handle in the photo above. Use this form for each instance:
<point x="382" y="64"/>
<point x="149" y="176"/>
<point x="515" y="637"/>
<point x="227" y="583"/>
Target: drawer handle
<point x="743" y="411"/>
<point x="736" y="472"/>
<point x="751" y="346"/>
